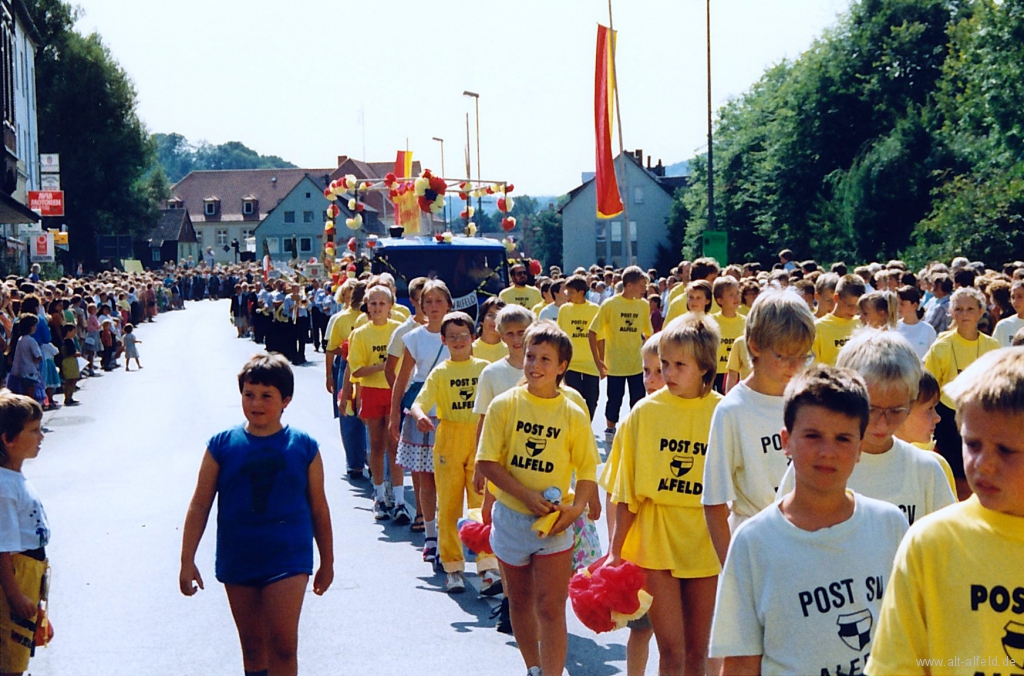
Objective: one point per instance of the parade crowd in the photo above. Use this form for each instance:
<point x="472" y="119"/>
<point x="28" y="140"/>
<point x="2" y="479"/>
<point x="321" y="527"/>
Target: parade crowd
<point x="821" y="470"/>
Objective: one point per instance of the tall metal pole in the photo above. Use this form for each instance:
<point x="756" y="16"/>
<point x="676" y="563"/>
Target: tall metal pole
<point x="711" y="147"/>
<point x="446" y="197"/>
<point x="626" y="229"/>
<point x="479" y="174"/>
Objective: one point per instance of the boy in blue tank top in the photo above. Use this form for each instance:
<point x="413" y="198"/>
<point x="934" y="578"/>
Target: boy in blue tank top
<point x="269" y="482"/>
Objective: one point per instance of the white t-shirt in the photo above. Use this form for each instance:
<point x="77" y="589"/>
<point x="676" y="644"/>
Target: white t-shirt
<point x="745" y="461"/>
<point x="23" y="524"/>
<point x="905" y="476"/>
<point x="495" y="379"/>
<point x="920" y="336"/>
<point x="549" y="312"/>
<point x="428" y="351"/>
<point x="807" y="602"/>
<point x="396" y="345"/>
<point x="1006" y="329"/>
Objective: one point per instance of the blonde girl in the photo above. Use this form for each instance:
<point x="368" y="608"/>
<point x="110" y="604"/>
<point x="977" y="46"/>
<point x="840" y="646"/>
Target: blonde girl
<point x="659" y="520"/>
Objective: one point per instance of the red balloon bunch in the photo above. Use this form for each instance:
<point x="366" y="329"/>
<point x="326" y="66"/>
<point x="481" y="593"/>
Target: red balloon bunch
<point x="606" y="598"/>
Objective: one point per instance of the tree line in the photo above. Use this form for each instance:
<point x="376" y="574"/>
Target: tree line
<point x="897" y="134"/>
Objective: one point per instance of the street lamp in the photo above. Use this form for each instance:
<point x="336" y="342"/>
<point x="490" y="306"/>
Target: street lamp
<point x="446" y="197"/>
<point x="479" y="175"/>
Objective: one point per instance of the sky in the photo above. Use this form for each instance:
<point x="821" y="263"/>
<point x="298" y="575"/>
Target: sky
<point x="310" y="80"/>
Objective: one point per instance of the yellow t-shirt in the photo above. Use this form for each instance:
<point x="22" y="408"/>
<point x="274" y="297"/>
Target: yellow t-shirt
<point x="830" y="334"/>
<point x="541" y="442"/>
<point x="538" y="307"/>
<point x="956" y="593"/>
<point x="575" y="320"/>
<point x="489" y="353"/>
<point x="731" y="328"/>
<point x="368" y="346"/>
<point x="343" y="326"/>
<point x="623" y="323"/>
<point x="743" y="310"/>
<point x="452" y="388"/>
<point x="678" y="298"/>
<point x="951" y="353"/>
<point x="739" y="358"/>
<point x="658" y="469"/>
<point x="527" y="296"/>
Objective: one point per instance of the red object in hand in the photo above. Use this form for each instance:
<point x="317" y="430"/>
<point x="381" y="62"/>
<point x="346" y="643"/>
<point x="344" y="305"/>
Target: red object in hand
<point x="595" y="596"/>
<point x="476" y="536"/>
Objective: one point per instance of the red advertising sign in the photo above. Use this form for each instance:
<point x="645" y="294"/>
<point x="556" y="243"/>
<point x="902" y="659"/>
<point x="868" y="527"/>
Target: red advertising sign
<point x="46" y="202"/>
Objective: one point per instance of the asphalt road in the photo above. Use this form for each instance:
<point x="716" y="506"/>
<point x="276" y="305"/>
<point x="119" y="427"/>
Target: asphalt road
<point x="116" y="475"/>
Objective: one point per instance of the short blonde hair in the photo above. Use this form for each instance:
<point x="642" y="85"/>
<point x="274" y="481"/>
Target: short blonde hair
<point x="883" y="358"/>
<point x="650" y="347"/>
<point x="779" y="318"/>
<point x="700" y="336"/>
<point x="380" y="290"/>
<point x="968" y="292"/>
<point x="512" y="314"/>
<point x="995" y="382"/>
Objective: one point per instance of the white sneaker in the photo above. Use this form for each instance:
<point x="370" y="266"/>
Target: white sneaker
<point x="609" y="438"/>
<point x="533" y="671"/>
<point x="490" y="584"/>
<point x="455" y="583"/>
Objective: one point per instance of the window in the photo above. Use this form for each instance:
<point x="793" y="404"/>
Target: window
<point x="616" y="238"/>
<point x="222" y="237"/>
<point x="289" y="245"/>
<point x="156" y="255"/>
<point x="273" y="245"/>
<point x="210" y="208"/>
<point x="246" y="233"/>
<point x="199" y="238"/>
<point x="600" y="240"/>
<point x="305" y="244"/>
<point x="289" y="217"/>
<point x="307" y="216"/>
<point x="308" y="195"/>
<point x="248" y="208"/>
<point x="638" y="194"/>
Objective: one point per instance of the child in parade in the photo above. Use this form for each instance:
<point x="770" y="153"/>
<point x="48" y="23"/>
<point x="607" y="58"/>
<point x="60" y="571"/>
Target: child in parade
<point x="817" y="560"/>
<point x="726" y="292"/>
<point x="834" y="329"/>
<point x="424" y="350"/>
<point x="1009" y="325"/>
<point x="70" y="372"/>
<point x="955" y="590"/>
<point x="339" y="328"/>
<point x="268" y="479"/>
<point x="534" y="439"/>
<point x="659" y="521"/>
<point x="949" y="355"/>
<point x="367" y="355"/>
<point x="575" y="317"/>
<point x="130" y="349"/>
<point x="890" y="469"/>
<point x="488" y="345"/>
<point x="616" y="335"/>
<point x="745" y="460"/>
<point x="24" y="532"/>
<point x="451" y="388"/>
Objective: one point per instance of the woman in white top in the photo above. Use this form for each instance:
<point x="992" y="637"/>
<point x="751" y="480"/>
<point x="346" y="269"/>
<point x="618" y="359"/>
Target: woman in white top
<point x="919" y="334"/>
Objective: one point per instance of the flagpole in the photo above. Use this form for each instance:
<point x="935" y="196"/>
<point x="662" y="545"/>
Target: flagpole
<point x="618" y="117"/>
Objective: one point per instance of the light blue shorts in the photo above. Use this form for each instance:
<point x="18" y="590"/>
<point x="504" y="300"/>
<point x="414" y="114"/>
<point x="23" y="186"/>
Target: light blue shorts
<point x="513" y="541"/>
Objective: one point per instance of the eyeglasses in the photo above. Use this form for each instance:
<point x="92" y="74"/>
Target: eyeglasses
<point x="892" y="415"/>
<point x="801" y="360"/>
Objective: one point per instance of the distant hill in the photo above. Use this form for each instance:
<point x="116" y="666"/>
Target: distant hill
<point x="678" y="169"/>
<point x="178" y="157"/>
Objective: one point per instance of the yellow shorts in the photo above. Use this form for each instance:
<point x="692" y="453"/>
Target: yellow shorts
<point x="17" y="635"/>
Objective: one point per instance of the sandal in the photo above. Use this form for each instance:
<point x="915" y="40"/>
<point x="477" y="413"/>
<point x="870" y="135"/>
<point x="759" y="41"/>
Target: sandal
<point x="430" y="550"/>
<point x="417" y="524"/>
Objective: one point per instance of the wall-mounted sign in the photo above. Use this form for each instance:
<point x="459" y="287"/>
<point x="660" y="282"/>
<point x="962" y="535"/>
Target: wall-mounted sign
<point x="49" y="163"/>
<point x="46" y="202"/>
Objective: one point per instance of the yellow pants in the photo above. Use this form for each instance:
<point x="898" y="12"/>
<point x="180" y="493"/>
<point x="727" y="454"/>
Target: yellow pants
<point x="17" y="635"/>
<point x="454" y="460"/>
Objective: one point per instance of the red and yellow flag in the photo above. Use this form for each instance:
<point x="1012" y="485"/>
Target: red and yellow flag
<point x="407" y="210"/>
<point x="403" y="164"/>
<point x="609" y="202"/>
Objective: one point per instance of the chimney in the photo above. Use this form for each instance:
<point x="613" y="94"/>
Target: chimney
<point x="639" y="155"/>
<point x="341" y="159"/>
<point x="648" y="163"/>
<point x="659" y="170"/>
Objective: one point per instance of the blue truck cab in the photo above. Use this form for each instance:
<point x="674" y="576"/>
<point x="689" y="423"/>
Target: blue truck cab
<point x="474" y="268"/>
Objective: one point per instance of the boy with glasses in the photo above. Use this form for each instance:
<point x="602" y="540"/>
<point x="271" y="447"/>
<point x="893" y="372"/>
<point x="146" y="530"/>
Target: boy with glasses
<point x="745" y="460"/>
<point x="891" y="469"/>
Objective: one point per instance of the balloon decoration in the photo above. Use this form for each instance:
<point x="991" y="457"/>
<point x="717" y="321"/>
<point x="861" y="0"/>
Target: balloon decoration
<point x="371" y="241"/>
<point x="606" y="598"/>
<point x="508" y="224"/>
<point x="510" y="244"/>
<point x="352" y="244"/>
<point x="430" y="192"/>
<point x="535" y="268"/>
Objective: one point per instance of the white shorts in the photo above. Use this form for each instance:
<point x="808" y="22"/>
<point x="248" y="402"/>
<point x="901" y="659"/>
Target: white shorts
<point x="514" y="542"/>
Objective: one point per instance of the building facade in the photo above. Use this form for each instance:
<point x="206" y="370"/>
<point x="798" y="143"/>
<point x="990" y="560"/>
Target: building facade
<point x="587" y="239"/>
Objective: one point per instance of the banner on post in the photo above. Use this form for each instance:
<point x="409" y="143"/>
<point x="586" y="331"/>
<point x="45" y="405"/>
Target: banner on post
<point x="41" y="248"/>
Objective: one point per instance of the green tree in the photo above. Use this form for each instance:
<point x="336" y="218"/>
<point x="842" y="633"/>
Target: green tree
<point x="546" y="233"/>
<point x="87" y="113"/>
